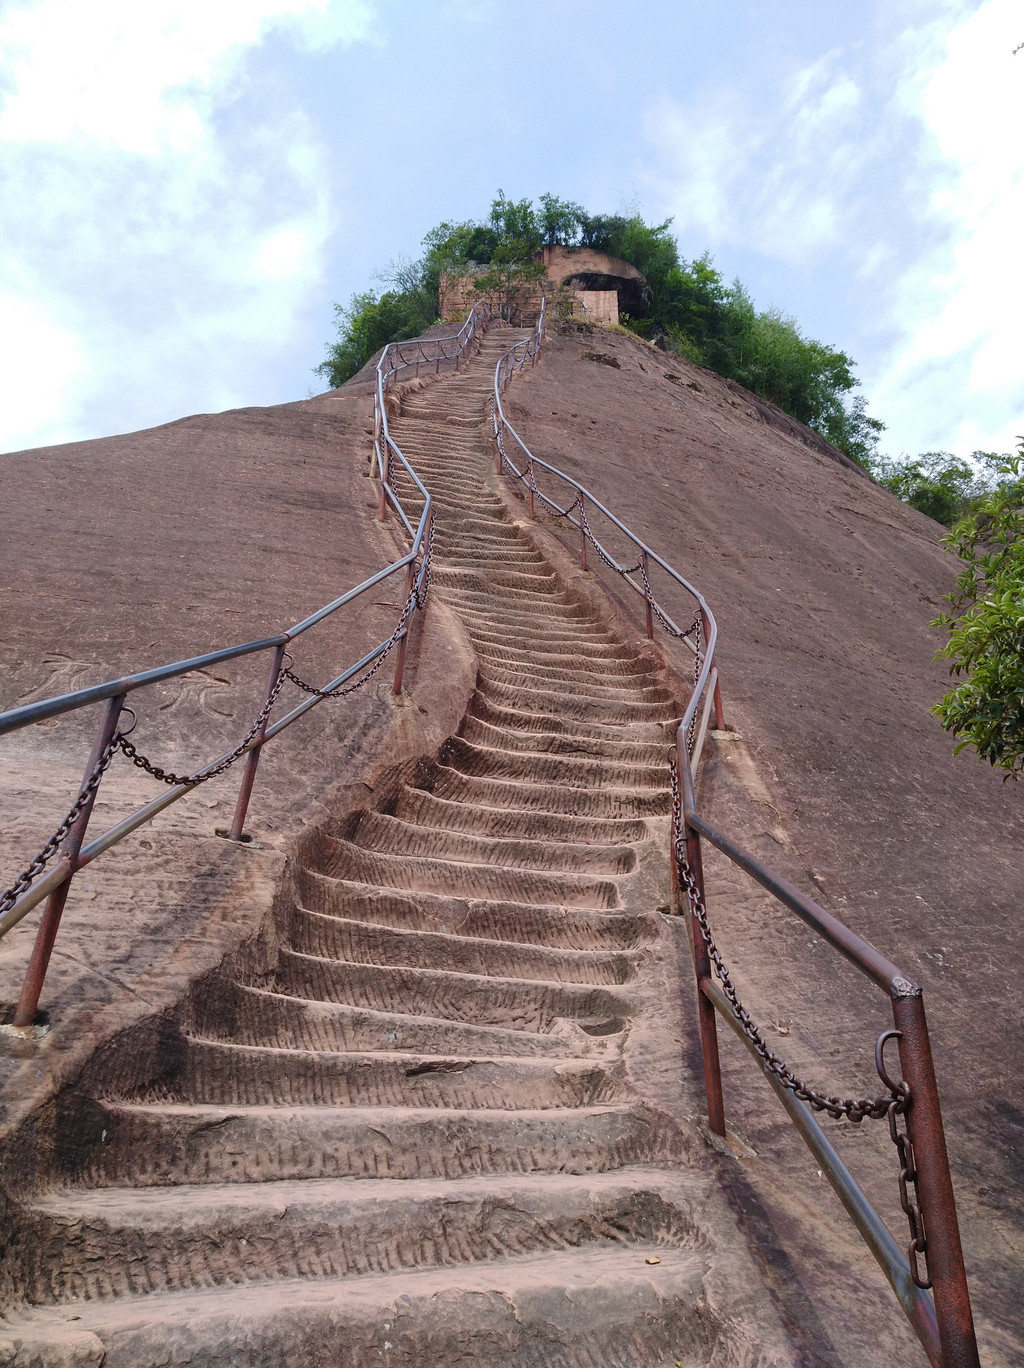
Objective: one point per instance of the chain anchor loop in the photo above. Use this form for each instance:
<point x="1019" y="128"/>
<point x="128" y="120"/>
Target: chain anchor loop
<point x="854" y="1109"/>
<point x="910" y="1199"/>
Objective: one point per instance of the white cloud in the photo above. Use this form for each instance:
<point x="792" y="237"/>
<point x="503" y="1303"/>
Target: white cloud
<point x="33" y="348"/>
<point x="162" y="214"/>
<point x="886" y="181"/>
<point x="773" y="180"/>
<point x="960" y="308"/>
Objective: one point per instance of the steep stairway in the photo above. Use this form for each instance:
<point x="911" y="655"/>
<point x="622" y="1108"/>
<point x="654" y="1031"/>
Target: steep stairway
<point x="418" y="1142"/>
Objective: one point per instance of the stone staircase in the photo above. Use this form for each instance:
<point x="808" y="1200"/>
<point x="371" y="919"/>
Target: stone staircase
<point x="423" y="1139"/>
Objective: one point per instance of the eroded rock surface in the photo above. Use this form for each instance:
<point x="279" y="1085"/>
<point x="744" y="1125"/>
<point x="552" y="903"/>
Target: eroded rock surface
<point x="435" y="1114"/>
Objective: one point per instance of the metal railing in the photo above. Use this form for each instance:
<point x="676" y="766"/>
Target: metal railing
<point x="928" y="1279"/>
<point x="397" y="360"/>
<point x="51" y="873"/>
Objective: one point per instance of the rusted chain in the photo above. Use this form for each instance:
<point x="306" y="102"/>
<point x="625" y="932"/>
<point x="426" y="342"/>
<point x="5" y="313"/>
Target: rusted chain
<point x="611" y="564"/>
<point x="423" y="593"/>
<point x="911" y="1204"/>
<point x="416" y="599"/>
<point x="35" y="867"/>
<point x="204" y="775"/>
<point x="343" y="690"/>
<point x="855" y="1109"/>
<point x="659" y="614"/>
<point x="691" y="730"/>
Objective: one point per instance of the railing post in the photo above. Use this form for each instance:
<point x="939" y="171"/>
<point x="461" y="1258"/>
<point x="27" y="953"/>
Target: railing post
<point x="701" y="959"/>
<point x="28" y="1002"/>
<point x="252" y="760"/>
<point x="410" y="579"/>
<point x="647" y="597"/>
<point x="530" y="483"/>
<point x="945" y="1257"/>
<point x="719" y="712"/>
<point x="717" y="695"/>
<point x="382" y="466"/>
<point x="583" y="534"/>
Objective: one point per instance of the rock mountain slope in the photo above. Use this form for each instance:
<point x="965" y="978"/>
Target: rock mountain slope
<point x="419" y="1084"/>
<point x="422" y="1131"/>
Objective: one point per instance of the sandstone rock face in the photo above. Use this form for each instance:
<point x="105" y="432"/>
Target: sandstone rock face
<point x="432" y="1110"/>
<point x="838" y="776"/>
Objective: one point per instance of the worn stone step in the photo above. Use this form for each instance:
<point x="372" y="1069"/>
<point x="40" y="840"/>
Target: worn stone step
<point x="573" y="640"/>
<point x="594" y="1307"/>
<point x="533" y="924"/>
<point x="581" y="683"/>
<point x="377" y="831"/>
<point x="356" y="942"/>
<point x="537" y="590"/>
<point x="515" y="1003"/>
<point x="459" y="786"/>
<point x="524" y="720"/>
<point x="417" y="805"/>
<point x="544" y="700"/>
<point x="346" y="860"/>
<point x="158" y="1144"/>
<point x="479" y="732"/>
<point x="118" y="1242"/>
<point x="211" y="1071"/>
<point x="568" y="634"/>
<point x="619" y="671"/>
<point x="245" y="1015"/>
<point x="568" y="770"/>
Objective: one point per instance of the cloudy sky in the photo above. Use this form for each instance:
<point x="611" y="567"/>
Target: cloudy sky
<point x="185" y="189"/>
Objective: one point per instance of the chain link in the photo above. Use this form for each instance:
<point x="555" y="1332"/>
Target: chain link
<point x="343" y="691"/>
<point x="612" y="565"/>
<point x="119" y="741"/>
<point x="31" y="872"/>
<point x="894" y="1104"/>
<point x="422" y="594"/>
<point x="204" y="775"/>
<point x="918" y="1246"/>
<point x="911" y="1203"/>
<point x="855" y="1109"/>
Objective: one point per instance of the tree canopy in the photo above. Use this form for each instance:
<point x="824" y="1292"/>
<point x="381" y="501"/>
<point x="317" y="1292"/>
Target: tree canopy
<point x="691" y="309"/>
<point x="985" y="628"/>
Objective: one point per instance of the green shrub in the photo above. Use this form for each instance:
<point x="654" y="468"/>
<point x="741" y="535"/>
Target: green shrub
<point x="986" y="627"/>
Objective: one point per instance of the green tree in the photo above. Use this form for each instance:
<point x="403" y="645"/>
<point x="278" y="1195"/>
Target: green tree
<point x="690" y="310"/>
<point x="986" y="626"/>
<point x="517" y="226"/>
<point x="367" y="324"/>
<point x="509" y="280"/>
<point x="852" y="430"/>
<point x="936" y="483"/>
<point x="560" y="221"/>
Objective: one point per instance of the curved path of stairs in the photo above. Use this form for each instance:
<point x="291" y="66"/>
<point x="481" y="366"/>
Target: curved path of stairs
<point x="418" y="1143"/>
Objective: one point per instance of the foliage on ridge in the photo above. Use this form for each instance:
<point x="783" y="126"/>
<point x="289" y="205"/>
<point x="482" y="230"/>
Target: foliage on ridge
<point x="691" y="309"/>
<point x="985" y="643"/>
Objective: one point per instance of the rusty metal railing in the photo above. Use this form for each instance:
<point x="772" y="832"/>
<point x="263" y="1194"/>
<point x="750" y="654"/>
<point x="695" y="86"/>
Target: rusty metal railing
<point x="397" y="360"/>
<point x="928" y="1278"/>
<point x="51" y="873"/>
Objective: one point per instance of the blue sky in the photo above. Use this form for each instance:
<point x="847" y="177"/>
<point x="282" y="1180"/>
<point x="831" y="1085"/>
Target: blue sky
<point x="186" y="189"/>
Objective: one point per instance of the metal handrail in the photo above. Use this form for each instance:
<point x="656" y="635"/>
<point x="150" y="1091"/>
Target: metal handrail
<point x="575" y="512"/>
<point x="54" y="884"/>
<point x="942" y="1320"/>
